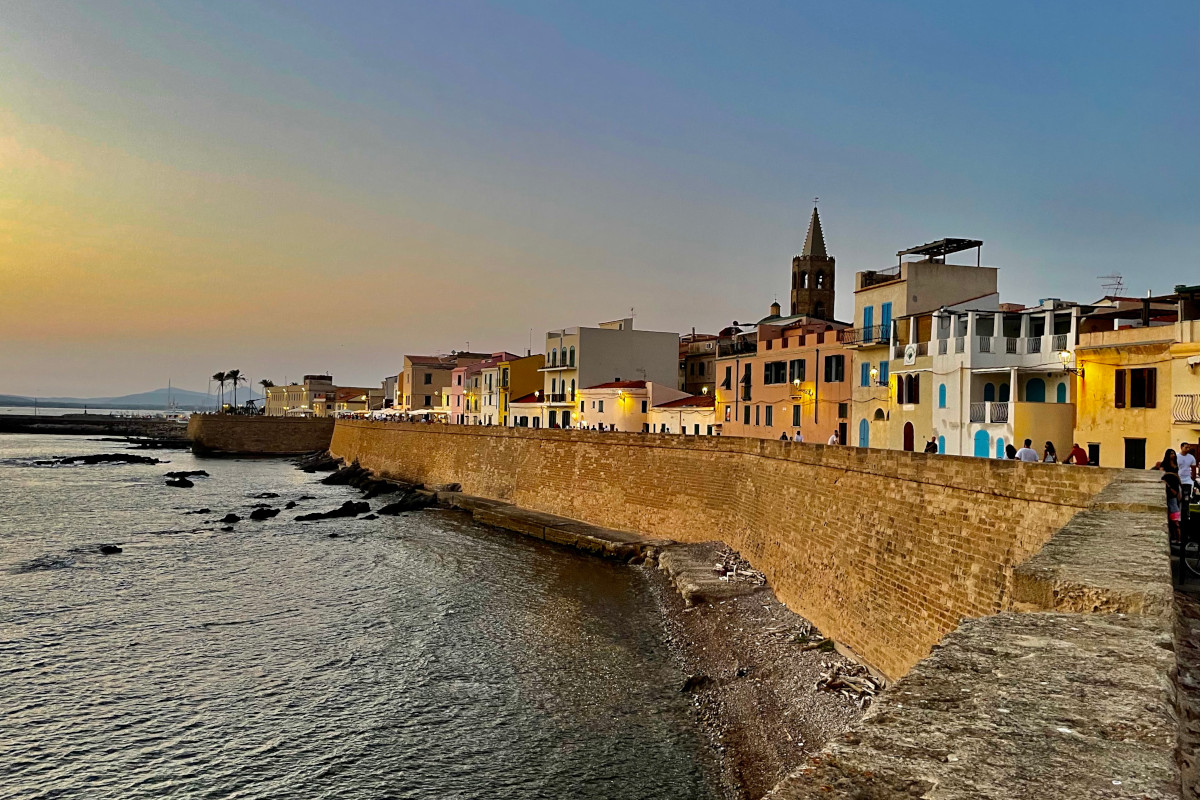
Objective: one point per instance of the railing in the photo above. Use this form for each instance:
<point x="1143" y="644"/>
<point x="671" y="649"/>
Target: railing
<point x="867" y="335"/>
<point x="1060" y="342"/>
<point x="1010" y="344"/>
<point x="736" y="348"/>
<point x="557" y="398"/>
<point x="985" y="344"/>
<point x="960" y="344"/>
<point x="943" y="345"/>
<point x="989" y="412"/>
<point x="1186" y="408"/>
<point x="898" y="351"/>
<point x="874" y="277"/>
<point x="1033" y="344"/>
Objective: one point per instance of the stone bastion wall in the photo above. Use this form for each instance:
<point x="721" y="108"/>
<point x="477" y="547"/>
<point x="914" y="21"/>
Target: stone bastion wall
<point x="233" y="434"/>
<point x="886" y="551"/>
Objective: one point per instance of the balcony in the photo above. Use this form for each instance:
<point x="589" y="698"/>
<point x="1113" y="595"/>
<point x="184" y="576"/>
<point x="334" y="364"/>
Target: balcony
<point x="737" y="348"/>
<point x="922" y="349"/>
<point x="960" y="344"/>
<point x="1060" y="342"/>
<point x="556" y="398"/>
<point x="872" y="334"/>
<point x="1010" y="344"/>
<point x="990" y="412"/>
<point x="1033" y="344"/>
<point x="1186" y="408"/>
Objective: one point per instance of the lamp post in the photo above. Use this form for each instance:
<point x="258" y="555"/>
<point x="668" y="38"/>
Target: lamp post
<point x="1065" y="357"/>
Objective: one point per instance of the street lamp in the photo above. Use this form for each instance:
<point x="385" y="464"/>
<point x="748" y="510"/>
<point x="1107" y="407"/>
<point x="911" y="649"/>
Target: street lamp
<point x="875" y="377"/>
<point x="1065" y="357"/>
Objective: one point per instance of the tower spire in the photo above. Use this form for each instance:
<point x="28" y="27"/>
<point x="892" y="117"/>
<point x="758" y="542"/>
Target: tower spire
<point x="814" y="242"/>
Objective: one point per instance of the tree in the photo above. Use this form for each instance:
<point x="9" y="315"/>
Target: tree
<point x="265" y="383"/>
<point x="220" y="378"/>
<point x="235" y="377"/>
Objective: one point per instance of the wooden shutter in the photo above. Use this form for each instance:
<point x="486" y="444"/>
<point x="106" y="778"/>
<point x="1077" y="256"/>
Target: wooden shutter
<point x="1119" y="389"/>
<point x="916" y="390"/>
<point x="1151" y="388"/>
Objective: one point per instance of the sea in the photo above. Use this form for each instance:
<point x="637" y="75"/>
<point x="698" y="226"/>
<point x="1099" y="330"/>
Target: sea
<point x="416" y="656"/>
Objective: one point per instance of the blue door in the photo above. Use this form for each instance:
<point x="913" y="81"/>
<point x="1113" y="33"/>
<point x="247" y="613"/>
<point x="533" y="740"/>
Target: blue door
<point x="1061" y="393"/>
<point x="1035" y="391"/>
<point x="941" y="444"/>
<point x="1000" y="447"/>
<point x="864" y="433"/>
<point x="983" y="444"/>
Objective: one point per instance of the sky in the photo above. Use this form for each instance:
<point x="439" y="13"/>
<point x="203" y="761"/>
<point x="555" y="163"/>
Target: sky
<point x="297" y="187"/>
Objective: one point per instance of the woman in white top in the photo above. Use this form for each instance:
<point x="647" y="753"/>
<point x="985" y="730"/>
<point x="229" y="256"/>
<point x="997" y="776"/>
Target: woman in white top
<point x="1048" y="455"/>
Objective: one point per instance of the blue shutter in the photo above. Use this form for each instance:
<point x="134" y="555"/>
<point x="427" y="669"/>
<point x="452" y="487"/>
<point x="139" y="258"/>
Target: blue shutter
<point x="868" y="321"/>
<point x="866" y="374"/>
<point x="884" y="370"/>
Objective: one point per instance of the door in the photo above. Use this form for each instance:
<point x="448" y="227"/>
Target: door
<point x="983" y="443"/>
<point x="842" y="433"/>
<point x="1135" y="454"/>
<point x="908" y="436"/>
<point x="864" y="433"/>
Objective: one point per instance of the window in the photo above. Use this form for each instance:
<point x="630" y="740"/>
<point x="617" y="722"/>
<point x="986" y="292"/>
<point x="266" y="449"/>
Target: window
<point x="757" y="416"/>
<point x="989" y="392"/>
<point x="701" y="369"/>
<point x="796" y="370"/>
<point x="458" y="380"/>
<point x="645" y="427"/>
<point x="835" y="369"/>
<point x="885" y="369"/>
<point x="796" y="415"/>
<point x="820" y="279"/>
<point x="803" y="280"/>
<point x="774" y="372"/>
<point x="692" y="368"/>
<point x="572" y="352"/>
<point x="1136" y="388"/>
<point x="728" y="382"/>
<point x="865" y="376"/>
<point x="869" y="317"/>
<point x="601" y="408"/>
<point x="428" y="378"/>
<point x="708" y="430"/>
<point x="885" y="320"/>
<point x="428" y="400"/>
<point x="728" y="409"/>
<point x="941" y="395"/>
<point x="644" y="404"/>
<point x="745" y="415"/>
<point x="770" y="416"/>
<point x="843" y="410"/>
<point x="581" y="402"/>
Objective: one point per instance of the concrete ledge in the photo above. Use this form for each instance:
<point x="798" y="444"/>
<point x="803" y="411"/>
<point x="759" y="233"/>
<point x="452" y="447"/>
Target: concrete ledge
<point x="1017" y="706"/>
<point x="1108" y="559"/>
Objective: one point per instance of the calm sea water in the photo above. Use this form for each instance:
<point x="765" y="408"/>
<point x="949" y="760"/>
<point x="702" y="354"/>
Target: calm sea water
<point x="411" y="657"/>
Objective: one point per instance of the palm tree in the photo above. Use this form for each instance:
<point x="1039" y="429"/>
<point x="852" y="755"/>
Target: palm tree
<point x="220" y="378"/>
<point x="235" y="377"/>
<point x="265" y="383"/>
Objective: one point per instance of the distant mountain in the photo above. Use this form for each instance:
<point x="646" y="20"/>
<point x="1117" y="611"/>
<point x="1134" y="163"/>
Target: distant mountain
<point x="156" y="399"/>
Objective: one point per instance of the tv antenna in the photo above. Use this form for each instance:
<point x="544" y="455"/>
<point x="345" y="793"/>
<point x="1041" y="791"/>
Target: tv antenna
<point x="1114" y="285"/>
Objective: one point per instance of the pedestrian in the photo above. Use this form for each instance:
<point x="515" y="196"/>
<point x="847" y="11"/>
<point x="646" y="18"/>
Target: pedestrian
<point x="1048" y="455"/>
<point x="783" y="437"/>
<point x="1010" y="452"/>
<point x="931" y="445"/>
<point x="799" y="437"/>
<point x="1027" y="453"/>
<point x="1187" y="479"/>
<point x="834" y="439"/>
<point x="1078" y="455"/>
<point x="1170" y="468"/>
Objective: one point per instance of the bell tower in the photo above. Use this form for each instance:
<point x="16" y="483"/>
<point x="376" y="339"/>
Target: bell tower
<point x="813" y="275"/>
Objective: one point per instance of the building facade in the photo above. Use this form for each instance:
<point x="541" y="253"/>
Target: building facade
<point x="315" y="396"/>
<point x="693" y="415"/>
<point x="622" y="405"/>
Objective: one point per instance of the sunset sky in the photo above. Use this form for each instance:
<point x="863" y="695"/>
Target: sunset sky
<point x="297" y="187"/>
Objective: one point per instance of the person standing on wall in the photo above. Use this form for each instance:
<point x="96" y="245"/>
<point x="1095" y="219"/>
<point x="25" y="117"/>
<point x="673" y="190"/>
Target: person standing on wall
<point x="1027" y="453"/>
<point x="1170" y="468"/>
<point x="799" y="437"/>
<point x="783" y="437"/>
<point x="834" y="439"/>
<point x="1187" y="479"/>
<point x="931" y="445"/>
<point x="1049" y="456"/>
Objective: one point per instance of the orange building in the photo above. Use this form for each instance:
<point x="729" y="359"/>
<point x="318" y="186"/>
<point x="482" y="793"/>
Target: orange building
<point x="798" y="378"/>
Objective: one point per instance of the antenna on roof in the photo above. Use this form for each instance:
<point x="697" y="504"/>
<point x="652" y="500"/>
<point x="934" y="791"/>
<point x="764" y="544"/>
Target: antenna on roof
<point x="1115" y="285"/>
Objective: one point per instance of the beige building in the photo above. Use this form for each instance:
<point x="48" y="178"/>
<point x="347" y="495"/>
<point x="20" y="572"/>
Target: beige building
<point x="314" y="397"/>
<point x="911" y="287"/>
<point x="420" y="386"/>
<point x="693" y="415"/>
<point x="351" y="399"/>
<point x="577" y="357"/>
<point x="622" y="405"/>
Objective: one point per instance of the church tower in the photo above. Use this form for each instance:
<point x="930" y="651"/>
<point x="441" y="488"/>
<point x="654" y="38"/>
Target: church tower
<point x="813" y="275"/>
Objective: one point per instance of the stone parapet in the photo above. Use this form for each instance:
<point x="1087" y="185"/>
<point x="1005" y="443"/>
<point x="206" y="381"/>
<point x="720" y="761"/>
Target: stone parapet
<point x="232" y="434"/>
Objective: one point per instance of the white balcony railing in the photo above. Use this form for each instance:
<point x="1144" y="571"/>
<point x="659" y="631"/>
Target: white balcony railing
<point x="1186" y="408"/>
<point x="1033" y="344"/>
<point x="1060" y="342"/>
<point x="989" y="412"/>
<point x="985" y="344"/>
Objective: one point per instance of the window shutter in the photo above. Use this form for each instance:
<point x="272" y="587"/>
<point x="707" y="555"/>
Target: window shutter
<point x="916" y="393"/>
<point x="1151" y="388"/>
<point x="1119" y="389"/>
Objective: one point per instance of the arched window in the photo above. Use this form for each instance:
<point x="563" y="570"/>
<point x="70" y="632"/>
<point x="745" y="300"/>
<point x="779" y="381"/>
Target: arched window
<point x="941" y="444"/>
<point x="820" y="279"/>
<point x="989" y="392"/>
<point x="906" y="393"/>
<point x="1000" y="447"/>
<point x="572" y="357"/>
<point x="1035" y="391"/>
<point x="983" y="443"/>
<point x="554" y="356"/>
<point x="916" y="390"/>
<point x="572" y="388"/>
<point x="1061" y="393"/>
<point x="879" y="415"/>
<point x="941" y="395"/>
<point x="1004" y="393"/>
<point x="803" y="280"/>
<point x="864" y="433"/>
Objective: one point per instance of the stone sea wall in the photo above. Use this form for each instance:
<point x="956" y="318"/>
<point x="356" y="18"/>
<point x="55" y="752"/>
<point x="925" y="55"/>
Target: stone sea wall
<point x="886" y="551"/>
<point x="231" y="434"/>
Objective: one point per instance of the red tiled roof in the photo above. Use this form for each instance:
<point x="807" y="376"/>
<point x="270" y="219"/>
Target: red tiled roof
<point x="529" y="398"/>
<point x="619" y="385"/>
<point x="426" y="360"/>
<point x="691" y="401"/>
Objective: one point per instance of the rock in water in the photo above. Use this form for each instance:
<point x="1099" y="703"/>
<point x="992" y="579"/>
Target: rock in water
<point x="110" y="549"/>
<point x="290" y="504"/>
<point x="265" y="496"/>
<point x="187" y="473"/>
<point x="371" y="516"/>
<point x="201" y="511"/>
<point x="349" y="508"/>
<point x="227" y="528"/>
<point x="230" y="518"/>
<point x="180" y="483"/>
<point x="105" y="458"/>
<point x="264" y="513"/>
<point x="411" y="501"/>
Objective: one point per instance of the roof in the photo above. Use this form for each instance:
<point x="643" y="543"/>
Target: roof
<point x="618" y="385"/>
<point x="942" y="247"/>
<point x="691" y="401"/>
<point x="532" y="397"/>
<point x="814" y="242"/>
<point x="428" y="361"/>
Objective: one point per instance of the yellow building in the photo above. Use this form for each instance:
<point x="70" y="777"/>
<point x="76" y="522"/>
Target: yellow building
<point x="518" y="377"/>
<point x="1139" y="387"/>
<point x="315" y="397"/>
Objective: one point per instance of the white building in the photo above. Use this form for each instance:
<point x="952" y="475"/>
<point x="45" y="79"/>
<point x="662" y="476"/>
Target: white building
<point x="578" y="357"/>
<point x="622" y="405"/>
<point x="693" y="415"/>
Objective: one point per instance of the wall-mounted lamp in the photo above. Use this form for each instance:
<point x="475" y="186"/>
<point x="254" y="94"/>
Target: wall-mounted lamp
<point x="1065" y="357"/>
<point x="704" y="390"/>
<point x="875" y="377"/>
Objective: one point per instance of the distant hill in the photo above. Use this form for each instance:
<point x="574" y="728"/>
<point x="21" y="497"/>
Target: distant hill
<point x="156" y="399"/>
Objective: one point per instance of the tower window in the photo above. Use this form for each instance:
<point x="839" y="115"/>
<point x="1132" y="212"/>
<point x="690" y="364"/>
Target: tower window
<point x="820" y="280"/>
<point x="803" y="280"/>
